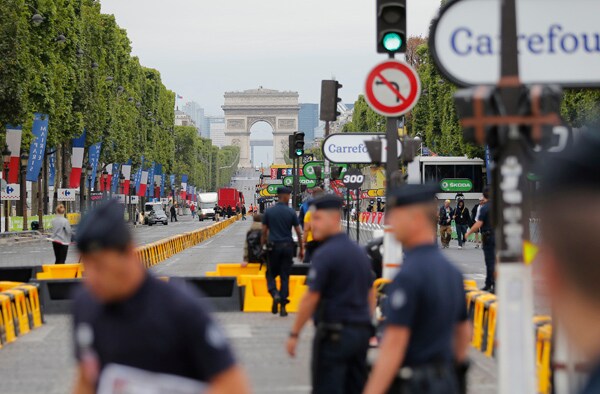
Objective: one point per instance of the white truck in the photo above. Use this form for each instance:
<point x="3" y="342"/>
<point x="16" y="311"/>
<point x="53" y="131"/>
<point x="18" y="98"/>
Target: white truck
<point x="206" y="205"/>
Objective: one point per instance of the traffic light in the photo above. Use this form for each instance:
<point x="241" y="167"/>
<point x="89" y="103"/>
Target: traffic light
<point x="484" y="99"/>
<point x="329" y="100"/>
<point x="298" y="144"/>
<point x="391" y="26"/>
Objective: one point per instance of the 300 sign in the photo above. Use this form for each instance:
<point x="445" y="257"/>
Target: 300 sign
<point x="353" y="179"/>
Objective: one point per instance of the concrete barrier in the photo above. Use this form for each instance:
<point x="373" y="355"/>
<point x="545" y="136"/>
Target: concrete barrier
<point x="19" y="274"/>
<point x="222" y="293"/>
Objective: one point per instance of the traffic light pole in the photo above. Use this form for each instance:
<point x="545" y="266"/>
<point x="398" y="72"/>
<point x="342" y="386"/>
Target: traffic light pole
<point x="392" y="249"/>
<point x="326" y="176"/>
<point x="516" y="353"/>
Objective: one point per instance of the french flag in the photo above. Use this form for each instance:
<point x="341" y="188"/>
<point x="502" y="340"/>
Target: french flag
<point x="126" y="171"/>
<point x="13" y="141"/>
<point x="184" y="180"/>
<point x="77" y="161"/>
<point x="143" y="184"/>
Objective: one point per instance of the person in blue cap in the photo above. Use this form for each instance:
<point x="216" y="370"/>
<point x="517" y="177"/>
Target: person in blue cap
<point x="131" y="328"/>
<point x="278" y="222"/>
<point x="341" y="300"/>
<point x="569" y="249"/>
<point x="426" y="328"/>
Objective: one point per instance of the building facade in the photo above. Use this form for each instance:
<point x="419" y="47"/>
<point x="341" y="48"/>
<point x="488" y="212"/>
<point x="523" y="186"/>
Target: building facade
<point x="308" y="120"/>
<point x="216" y="127"/>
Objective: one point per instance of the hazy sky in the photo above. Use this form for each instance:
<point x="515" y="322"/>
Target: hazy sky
<point x="206" y="47"/>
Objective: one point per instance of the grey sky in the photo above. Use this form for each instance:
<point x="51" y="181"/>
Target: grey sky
<point x="206" y="47"/>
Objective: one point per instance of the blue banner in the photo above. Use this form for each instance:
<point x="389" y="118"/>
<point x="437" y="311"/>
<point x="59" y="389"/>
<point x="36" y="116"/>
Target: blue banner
<point x="38" y="146"/>
<point x="115" y="178"/>
<point x="488" y="164"/>
<point x="52" y="168"/>
<point x="162" y="185"/>
<point x="138" y="176"/>
<point x="172" y="181"/>
<point x="150" y="188"/>
<point x="93" y="159"/>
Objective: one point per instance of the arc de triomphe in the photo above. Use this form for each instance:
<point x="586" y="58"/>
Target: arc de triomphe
<point x="243" y="109"/>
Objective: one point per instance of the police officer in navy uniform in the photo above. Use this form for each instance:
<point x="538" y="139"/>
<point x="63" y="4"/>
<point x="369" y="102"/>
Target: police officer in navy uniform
<point x="278" y="222"/>
<point x="131" y="328"/>
<point x="569" y="249"/>
<point x="426" y="330"/>
<point x="488" y="241"/>
<point x="341" y="300"/>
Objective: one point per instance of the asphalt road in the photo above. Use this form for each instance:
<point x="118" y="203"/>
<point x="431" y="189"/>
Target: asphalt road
<point x="41" y="361"/>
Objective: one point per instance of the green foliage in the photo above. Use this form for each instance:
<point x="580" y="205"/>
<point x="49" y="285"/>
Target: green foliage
<point x="364" y="119"/>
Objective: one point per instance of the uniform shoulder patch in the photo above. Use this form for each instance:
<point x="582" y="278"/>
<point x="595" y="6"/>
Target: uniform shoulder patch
<point x="398" y="299"/>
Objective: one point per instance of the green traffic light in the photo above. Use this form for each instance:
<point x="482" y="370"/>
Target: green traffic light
<point x="299" y="152"/>
<point x="392" y="42"/>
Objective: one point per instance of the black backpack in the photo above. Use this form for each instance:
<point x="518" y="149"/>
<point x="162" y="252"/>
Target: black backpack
<point x="255" y="251"/>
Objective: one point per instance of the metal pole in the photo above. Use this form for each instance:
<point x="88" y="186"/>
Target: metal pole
<point x="40" y="207"/>
<point x="516" y="353"/>
<point x="6" y="204"/>
<point x="326" y="163"/>
<point x="357" y="215"/>
<point x="24" y="196"/>
<point x="348" y="212"/>
<point x="392" y="250"/>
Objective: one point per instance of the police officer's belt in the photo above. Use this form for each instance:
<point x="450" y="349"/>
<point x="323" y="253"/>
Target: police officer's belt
<point x="434" y="378"/>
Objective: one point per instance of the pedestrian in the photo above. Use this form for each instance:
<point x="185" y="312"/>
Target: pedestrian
<point x="488" y="242"/>
<point x="462" y="220"/>
<point x="569" y="256"/>
<point x="217" y="210"/>
<point x="474" y="216"/>
<point x="193" y="210"/>
<point x="427" y="332"/>
<point x="278" y="222"/>
<point x="341" y="299"/>
<point x="252" y="246"/>
<point x="310" y="244"/>
<point x="229" y="211"/>
<point x="136" y="217"/>
<point x="61" y="235"/>
<point x="174" y="213"/>
<point x="445" y="221"/>
<point x="118" y="340"/>
<point x="243" y="212"/>
<point x="237" y="210"/>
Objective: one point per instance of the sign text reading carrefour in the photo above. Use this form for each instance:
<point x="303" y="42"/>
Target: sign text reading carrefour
<point x="351" y="147"/>
<point x="558" y="42"/>
<point x="456" y="185"/>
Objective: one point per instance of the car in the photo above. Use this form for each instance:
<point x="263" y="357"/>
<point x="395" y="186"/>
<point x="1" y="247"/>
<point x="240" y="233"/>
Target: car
<point x="157" y="215"/>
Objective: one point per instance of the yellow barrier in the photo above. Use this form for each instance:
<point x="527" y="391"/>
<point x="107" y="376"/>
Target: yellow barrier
<point x="19" y="309"/>
<point x="73" y="218"/>
<point x="480" y="319"/>
<point x="58" y="271"/>
<point x="236" y="269"/>
<point x="491" y="331"/>
<point x="5" y="285"/>
<point x="32" y="299"/>
<point x="543" y="358"/>
<point x="8" y="318"/>
<point x="258" y="299"/>
<point x="470" y="284"/>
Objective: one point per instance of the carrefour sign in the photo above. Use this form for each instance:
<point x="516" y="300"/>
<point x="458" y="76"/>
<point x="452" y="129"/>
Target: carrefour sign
<point x="558" y="42"/>
<point x="456" y="185"/>
<point x="351" y="147"/>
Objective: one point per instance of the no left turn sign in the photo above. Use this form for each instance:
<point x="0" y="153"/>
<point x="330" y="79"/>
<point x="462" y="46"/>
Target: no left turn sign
<point x="392" y="88"/>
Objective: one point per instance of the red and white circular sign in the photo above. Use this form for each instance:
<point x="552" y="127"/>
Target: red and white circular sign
<point x="393" y="88"/>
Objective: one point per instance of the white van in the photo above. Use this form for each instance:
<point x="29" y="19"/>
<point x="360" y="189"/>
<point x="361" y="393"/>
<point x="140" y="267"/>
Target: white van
<point x="206" y="205"/>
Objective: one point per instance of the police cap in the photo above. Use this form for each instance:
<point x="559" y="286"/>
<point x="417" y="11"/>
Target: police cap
<point x="103" y="228"/>
<point x="328" y="201"/>
<point x="412" y="194"/>
<point x="577" y="168"/>
<point x="284" y="190"/>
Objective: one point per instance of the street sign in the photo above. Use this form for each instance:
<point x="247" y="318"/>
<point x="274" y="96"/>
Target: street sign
<point x="272" y="189"/>
<point x="557" y="42"/>
<point x="135" y="200"/>
<point x="65" y="195"/>
<point x="353" y="179"/>
<point x="456" y="185"/>
<point x="351" y="147"/>
<point x="392" y="88"/>
<point x="307" y="158"/>
<point x="121" y="198"/>
<point x="289" y="181"/>
<point x="11" y="191"/>
<point x="309" y="169"/>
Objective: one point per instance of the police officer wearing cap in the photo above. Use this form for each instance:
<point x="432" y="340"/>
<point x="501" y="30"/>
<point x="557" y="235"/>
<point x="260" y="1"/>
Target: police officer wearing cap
<point x="278" y="222"/>
<point x="483" y="223"/>
<point x="132" y="330"/>
<point x="426" y="332"/>
<point x="341" y="301"/>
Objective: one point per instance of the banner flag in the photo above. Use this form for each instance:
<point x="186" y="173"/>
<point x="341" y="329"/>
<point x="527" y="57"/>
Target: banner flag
<point x="51" y="168"/>
<point x="77" y="161"/>
<point x="13" y="141"/>
<point x="93" y="159"/>
<point x="37" y="148"/>
<point x="126" y="171"/>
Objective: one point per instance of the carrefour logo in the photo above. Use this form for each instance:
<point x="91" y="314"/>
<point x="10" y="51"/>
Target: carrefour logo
<point x="456" y="185"/>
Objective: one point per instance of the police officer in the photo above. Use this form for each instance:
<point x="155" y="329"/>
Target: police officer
<point x="278" y="222"/>
<point x="570" y="224"/>
<point x="488" y="242"/>
<point x="341" y="301"/>
<point x="427" y="330"/>
<point x="131" y="329"/>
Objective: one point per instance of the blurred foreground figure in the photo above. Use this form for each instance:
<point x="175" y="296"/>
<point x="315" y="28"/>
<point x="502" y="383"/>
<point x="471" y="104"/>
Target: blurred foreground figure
<point x="427" y="332"/>
<point x="137" y="334"/>
<point x="570" y="247"/>
<point x="340" y="300"/>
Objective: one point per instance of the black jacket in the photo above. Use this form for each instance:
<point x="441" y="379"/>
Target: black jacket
<point x="444" y="218"/>
<point x="462" y="216"/>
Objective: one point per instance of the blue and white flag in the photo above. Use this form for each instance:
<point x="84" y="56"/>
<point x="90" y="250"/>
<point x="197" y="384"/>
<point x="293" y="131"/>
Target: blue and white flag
<point x="115" y="178"/>
<point x="93" y="159"/>
<point x="52" y="168"/>
<point x="150" y="189"/>
<point x="138" y="176"/>
<point x="37" y="147"/>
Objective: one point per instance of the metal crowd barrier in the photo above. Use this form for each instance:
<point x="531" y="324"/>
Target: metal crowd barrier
<point x="366" y="231"/>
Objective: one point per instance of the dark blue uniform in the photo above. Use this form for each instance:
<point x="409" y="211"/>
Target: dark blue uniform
<point x="161" y="328"/>
<point x="427" y="297"/>
<point x="488" y="244"/>
<point x="342" y="274"/>
<point x="280" y="219"/>
<point x="593" y="385"/>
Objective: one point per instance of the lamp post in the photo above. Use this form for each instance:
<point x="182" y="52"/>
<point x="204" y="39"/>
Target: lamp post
<point x="24" y="161"/>
<point x="6" y="159"/>
<point x="105" y="183"/>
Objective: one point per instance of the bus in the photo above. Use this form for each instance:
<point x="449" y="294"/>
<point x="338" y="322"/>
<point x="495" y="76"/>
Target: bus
<point x="455" y="175"/>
